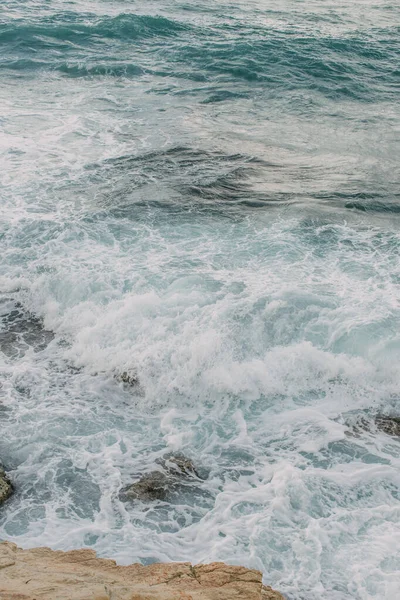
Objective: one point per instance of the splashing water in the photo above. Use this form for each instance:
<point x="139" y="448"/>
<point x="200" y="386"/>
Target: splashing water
<point x="204" y="195"/>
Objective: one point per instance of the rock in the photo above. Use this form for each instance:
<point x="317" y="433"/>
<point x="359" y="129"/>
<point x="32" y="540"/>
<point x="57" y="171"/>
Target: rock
<point x="358" y="426"/>
<point x="152" y="486"/>
<point x="178" y="465"/>
<point x="389" y="425"/>
<point x="5" y="487"/>
<point x="127" y="378"/>
<point x="176" y="471"/>
<point x="80" y="575"/>
<point x="267" y="593"/>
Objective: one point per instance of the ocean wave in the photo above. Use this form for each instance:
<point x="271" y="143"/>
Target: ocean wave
<point x="356" y="65"/>
<point x="86" y="29"/>
<point x="200" y="253"/>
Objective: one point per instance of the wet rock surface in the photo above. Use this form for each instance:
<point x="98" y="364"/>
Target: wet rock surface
<point x="151" y="486"/>
<point x="373" y="424"/>
<point x="175" y="472"/>
<point x="127" y="378"/>
<point x="20" y="330"/>
<point x="179" y="465"/>
<point x="5" y="486"/>
<point x="388" y="424"/>
<point x="80" y="575"/>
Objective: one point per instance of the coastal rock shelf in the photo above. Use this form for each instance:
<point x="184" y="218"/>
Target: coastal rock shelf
<point x="44" y="574"/>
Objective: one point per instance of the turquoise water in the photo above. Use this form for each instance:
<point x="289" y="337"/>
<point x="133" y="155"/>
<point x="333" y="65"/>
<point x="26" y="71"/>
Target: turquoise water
<point x="206" y="195"/>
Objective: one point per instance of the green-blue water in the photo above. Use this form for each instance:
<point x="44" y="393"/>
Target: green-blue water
<point x="206" y="195"/>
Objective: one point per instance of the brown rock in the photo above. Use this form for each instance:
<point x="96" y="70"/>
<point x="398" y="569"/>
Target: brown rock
<point x="267" y="593"/>
<point x="43" y="574"/>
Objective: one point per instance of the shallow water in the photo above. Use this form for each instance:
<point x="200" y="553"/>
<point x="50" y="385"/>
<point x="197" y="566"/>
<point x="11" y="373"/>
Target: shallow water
<point x="204" y="195"/>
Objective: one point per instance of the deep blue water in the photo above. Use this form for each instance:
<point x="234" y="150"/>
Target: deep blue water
<point x="204" y="195"/>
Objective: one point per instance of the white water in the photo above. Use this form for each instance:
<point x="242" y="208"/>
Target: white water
<point x="254" y="338"/>
<point x="258" y="335"/>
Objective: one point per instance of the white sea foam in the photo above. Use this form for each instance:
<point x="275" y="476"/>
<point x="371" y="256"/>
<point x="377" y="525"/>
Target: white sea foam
<point x="259" y="333"/>
<point x="248" y="362"/>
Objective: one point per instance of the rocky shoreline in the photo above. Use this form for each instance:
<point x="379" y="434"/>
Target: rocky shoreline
<point x="46" y="574"/>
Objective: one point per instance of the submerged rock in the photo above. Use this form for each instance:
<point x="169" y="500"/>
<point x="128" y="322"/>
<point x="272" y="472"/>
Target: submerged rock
<point x="389" y="425"/>
<point x="5" y="486"/>
<point x="152" y="486"/>
<point x="385" y="423"/>
<point x="178" y="464"/>
<point x="127" y="378"/>
<point x="359" y="426"/>
<point x="79" y="574"/>
<point x="176" y="471"/>
<point x="20" y="331"/>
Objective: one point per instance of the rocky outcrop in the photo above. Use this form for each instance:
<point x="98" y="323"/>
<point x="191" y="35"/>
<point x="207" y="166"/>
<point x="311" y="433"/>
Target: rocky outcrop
<point x="177" y="464"/>
<point x="43" y="574"/>
<point x="5" y="486"/>
<point x="176" y="471"/>
<point x="388" y="424"/>
<point x="129" y="379"/>
<point x="151" y="486"/>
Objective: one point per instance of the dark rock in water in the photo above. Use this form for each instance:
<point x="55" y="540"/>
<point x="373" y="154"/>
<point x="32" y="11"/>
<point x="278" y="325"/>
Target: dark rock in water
<point x="358" y="427"/>
<point x="127" y="378"/>
<point x="152" y="486"/>
<point x="177" y="471"/>
<point x="389" y="425"/>
<point x="5" y="487"/>
<point x="178" y="465"/>
<point x="21" y="331"/>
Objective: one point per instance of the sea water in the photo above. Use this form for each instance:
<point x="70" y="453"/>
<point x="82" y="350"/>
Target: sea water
<point x="204" y="195"/>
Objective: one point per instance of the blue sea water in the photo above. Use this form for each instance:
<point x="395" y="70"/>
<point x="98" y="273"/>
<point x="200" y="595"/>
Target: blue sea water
<point x="205" y="195"/>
